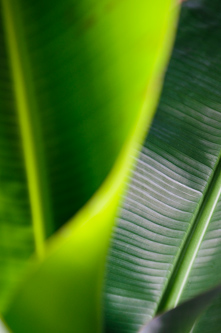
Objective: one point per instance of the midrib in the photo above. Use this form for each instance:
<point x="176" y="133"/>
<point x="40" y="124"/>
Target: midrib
<point x="28" y="123"/>
<point x="191" y="245"/>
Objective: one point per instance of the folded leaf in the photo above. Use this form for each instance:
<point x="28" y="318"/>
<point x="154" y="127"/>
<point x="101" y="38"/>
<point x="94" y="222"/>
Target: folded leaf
<point x="79" y="84"/>
<point x="172" y="202"/>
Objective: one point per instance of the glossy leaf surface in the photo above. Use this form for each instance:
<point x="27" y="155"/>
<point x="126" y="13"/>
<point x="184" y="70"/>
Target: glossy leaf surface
<point x="174" y="192"/>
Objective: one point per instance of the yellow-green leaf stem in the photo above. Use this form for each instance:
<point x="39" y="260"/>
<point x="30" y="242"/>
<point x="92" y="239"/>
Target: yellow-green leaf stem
<point x="31" y="136"/>
<point x="192" y="244"/>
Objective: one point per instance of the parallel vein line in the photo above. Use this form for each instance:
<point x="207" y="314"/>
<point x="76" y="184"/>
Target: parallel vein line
<point x="188" y="253"/>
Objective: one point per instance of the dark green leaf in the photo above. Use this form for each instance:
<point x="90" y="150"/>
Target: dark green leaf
<point x="175" y="188"/>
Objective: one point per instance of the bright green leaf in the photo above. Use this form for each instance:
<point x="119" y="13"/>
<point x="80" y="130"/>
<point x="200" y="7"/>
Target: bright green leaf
<point x="78" y="87"/>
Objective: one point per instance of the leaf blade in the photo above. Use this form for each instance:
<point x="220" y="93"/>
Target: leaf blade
<point x="108" y="62"/>
<point x="176" y="164"/>
<point x="194" y="239"/>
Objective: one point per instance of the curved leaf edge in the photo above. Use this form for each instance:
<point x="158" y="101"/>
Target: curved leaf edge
<point x="105" y="200"/>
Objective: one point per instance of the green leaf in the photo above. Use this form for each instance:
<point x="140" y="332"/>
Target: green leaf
<point x="169" y="222"/>
<point x="78" y="86"/>
<point x="183" y="318"/>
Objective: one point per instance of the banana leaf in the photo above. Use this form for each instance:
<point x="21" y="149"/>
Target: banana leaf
<point x="79" y="81"/>
<point x="166" y="246"/>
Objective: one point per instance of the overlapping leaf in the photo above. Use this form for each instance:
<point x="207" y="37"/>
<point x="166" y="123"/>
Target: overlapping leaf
<point x="74" y="81"/>
<point x="175" y="188"/>
<point x="183" y="319"/>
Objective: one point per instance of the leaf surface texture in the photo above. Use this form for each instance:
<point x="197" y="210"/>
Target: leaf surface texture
<point x="177" y="170"/>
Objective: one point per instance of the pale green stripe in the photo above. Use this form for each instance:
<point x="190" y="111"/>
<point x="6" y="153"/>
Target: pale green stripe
<point x="26" y="108"/>
<point x="194" y="241"/>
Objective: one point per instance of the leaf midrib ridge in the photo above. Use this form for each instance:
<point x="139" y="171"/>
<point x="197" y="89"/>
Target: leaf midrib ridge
<point x="28" y="123"/>
<point x="194" y="237"/>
